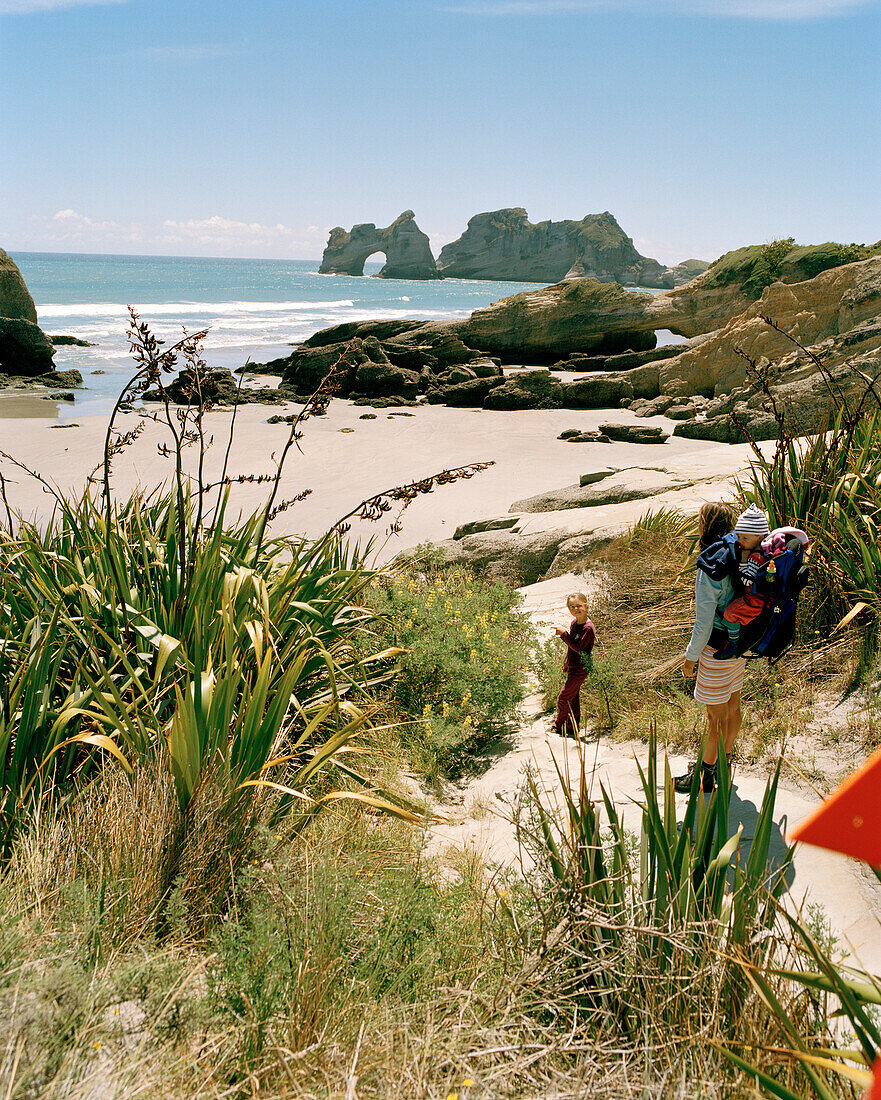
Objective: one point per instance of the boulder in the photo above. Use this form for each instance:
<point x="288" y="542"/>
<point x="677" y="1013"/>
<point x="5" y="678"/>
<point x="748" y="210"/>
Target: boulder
<point x="655" y="407"/>
<point x="62" y="378"/>
<point x="378" y="379"/>
<point x="438" y="341"/>
<point x="275" y="367"/>
<point x="478" y="525"/>
<point x="456" y="374"/>
<point x="596" y="391"/>
<point x="587" y="437"/>
<point x="503" y="556"/>
<point x="593" y="476"/>
<point x="536" y="389"/>
<point x="307" y="366"/>
<point x="464" y="395"/>
<point x="70" y="341"/>
<point x="406" y="248"/>
<point x="24" y="348"/>
<point x="218" y="387"/>
<point x="681" y="412"/>
<point x="721" y="430"/>
<point x="15" y="298"/>
<point x="350" y="330"/>
<point x="634" y="433"/>
<point x="504" y="244"/>
<point x="632" y="484"/>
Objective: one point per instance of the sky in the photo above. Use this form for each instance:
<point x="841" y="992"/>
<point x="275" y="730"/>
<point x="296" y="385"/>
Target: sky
<point x="222" y="128"/>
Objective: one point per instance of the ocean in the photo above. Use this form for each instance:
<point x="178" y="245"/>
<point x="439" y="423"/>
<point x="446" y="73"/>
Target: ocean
<point x="254" y="309"/>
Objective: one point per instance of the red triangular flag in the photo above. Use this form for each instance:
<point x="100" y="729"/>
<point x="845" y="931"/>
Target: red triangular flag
<point x="874" y="1092"/>
<point x="849" y="820"/>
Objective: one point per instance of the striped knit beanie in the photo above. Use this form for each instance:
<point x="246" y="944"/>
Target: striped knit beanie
<point x="752" y="522"/>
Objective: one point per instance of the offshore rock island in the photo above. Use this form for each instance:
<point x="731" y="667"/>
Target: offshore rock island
<point x="404" y="245"/>
<point x="504" y="245"/>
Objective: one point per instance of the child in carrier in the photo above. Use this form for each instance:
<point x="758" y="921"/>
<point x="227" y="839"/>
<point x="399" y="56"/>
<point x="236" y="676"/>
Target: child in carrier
<point x="762" y="547"/>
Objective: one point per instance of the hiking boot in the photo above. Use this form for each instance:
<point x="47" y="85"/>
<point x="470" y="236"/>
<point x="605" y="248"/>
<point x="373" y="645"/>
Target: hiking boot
<point x="729" y="650"/>
<point x="682" y="783"/>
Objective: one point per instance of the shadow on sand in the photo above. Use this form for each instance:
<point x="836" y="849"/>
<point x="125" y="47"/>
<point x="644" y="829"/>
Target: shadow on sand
<point x="745" y="812"/>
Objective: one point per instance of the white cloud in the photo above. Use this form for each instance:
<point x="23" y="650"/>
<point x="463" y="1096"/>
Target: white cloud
<point x="67" y="228"/>
<point x="29" y="7"/>
<point x="225" y="233"/>
<point x="70" y="231"/>
<point x="731" y="9"/>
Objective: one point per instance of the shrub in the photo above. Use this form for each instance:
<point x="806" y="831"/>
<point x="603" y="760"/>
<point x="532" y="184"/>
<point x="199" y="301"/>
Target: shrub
<point x="466" y="650"/>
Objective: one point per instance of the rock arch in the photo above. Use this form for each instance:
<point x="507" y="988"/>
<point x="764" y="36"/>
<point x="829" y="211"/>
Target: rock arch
<point x="404" y="245"/>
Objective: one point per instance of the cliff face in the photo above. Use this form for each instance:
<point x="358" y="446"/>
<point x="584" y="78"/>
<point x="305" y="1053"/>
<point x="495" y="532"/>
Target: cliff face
<point x="15" y="299"/>
<point x="504" y="244"/>
<point x="405" y="246"/>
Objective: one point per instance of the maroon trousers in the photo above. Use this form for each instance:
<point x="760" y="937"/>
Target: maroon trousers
<point x="568" y="717"/>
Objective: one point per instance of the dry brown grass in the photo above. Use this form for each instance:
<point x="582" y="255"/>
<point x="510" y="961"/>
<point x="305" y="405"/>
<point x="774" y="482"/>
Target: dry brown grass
<point x="644" y="612"/>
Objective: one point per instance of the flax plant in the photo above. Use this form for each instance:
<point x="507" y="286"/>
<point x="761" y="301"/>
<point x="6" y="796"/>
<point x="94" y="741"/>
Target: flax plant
<point x="648" y="938"/>
<point x="829" y="484"/>
<point x="157" y="629"/>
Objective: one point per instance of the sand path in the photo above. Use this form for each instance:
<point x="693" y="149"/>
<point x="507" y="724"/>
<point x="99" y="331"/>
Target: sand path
<point x="479" y="814"/>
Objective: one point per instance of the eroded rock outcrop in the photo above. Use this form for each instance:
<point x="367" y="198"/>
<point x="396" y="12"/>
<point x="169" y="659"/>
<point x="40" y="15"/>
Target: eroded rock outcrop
<point x="504" y="244"/>
<point x="830" y="306"/>
<point x="836" y="315"/>
<point x="15" y="298"/>
<point x="596" y="319"/>
<point x="405" y="246"/>
<point x="376" y="359"/>
<point x="579" y="315"/>
<point x="25" y="350"/>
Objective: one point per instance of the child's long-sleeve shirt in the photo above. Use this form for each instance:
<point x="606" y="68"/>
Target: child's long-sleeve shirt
<point x="579" y="639"/>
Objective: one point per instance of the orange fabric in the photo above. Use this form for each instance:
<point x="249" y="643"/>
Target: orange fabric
<point x="743" y="609"/>
<point x="849" y="820"/>
<point x="874" y="1092"/>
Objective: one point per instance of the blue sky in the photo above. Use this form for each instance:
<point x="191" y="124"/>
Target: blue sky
<point x="250" y="129"/>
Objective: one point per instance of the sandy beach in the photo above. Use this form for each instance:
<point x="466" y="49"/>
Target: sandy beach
<point x="345" y="458"/>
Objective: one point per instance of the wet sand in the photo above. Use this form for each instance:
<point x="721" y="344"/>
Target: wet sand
<point x="27" y="406"/>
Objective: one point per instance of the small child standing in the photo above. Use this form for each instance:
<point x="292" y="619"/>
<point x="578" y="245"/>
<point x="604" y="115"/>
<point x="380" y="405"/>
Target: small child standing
<point x="760" y="546"/>
<point x="579" y="639"/>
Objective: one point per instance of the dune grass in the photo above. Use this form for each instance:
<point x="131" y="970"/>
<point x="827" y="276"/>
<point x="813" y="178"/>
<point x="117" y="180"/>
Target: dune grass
<point x="214" y="882"/>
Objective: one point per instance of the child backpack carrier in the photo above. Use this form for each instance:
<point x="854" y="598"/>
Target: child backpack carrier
<point x="779" y="582"/>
